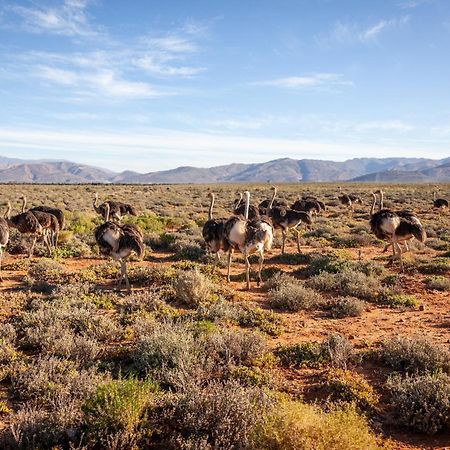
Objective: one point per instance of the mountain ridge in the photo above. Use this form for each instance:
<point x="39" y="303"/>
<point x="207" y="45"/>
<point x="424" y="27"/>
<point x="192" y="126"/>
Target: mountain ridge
<point x="398" y="169"/>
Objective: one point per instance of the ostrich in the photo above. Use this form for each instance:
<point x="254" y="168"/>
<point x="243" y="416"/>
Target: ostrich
<point x="439" y="203"/>
<point x="345" y="199"/>
<point x="248" y="236"/>
<point x="25" y="223"/>
<point x="119" y="242"/>
<point x="315" y="199"/>
<point x="308" y="205"/>
<point x="239" y="208"/>
<point x="48" y="221"/>
<point x="288" y="219"/>
<point x="4" y="238"/>
<point x="58" y="213"/>
<point x="213" y="233"/>
<point x="395" y="227"/>
<point x="116" y="209"/>
<point x="265" y="203"/>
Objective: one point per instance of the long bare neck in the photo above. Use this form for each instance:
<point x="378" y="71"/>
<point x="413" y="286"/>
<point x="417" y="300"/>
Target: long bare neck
<point x="24" y="203"/>
<point x="8" y="211"/>
<point x="381" y="200"/>
<point x="107" y="212"/>
<point x="372" y="209"/>
<point x="211" y="206"/>
<point x="239" y="201"/>
<point x="434" y="195"/>
<point x="272" y="200"/>
<point x="96" y="202"/>
<point x="247" y="204"/>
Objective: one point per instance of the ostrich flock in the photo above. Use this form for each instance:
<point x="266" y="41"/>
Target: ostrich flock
<point x="249" y="229"/>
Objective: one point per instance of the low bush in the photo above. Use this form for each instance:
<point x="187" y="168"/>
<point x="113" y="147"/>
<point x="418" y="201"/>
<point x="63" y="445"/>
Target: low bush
<point x="414" y="355"/>
<point x="117" y="406"/>
<point x="340" y="307"/>
<point x="295" y="425"/>
<point x="422" y="402"/>
<point x="192" y="287"/>
<point x="350" y="387"/>
<point x="438" y="283"/>
<point x="294" y="297"/>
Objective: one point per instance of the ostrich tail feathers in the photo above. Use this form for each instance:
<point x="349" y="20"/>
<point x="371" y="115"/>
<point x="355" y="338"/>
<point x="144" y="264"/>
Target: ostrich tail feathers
<point x="419" y="232"/>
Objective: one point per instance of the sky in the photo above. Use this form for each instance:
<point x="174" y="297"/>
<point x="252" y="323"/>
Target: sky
<point x="150" y="85"/>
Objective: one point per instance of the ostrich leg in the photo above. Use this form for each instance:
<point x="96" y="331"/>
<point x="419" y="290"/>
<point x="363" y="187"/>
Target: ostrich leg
<point x="247" y="272"/>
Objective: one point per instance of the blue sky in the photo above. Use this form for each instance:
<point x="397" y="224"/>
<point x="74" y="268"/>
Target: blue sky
<point x="151" y="85"/>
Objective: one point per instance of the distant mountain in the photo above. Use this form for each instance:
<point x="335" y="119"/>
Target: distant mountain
<point x="279" y="170"/>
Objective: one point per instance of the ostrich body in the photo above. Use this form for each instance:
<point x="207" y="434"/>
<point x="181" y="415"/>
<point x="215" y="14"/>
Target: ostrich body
<point x="249" y="237"/>
<point x="439" y="203"/>
<point x="395" y="227"/>
<point x="287" y="219"/>
<point x="239" y="208"/>
<point x="116" y="209"/>
<point x="119" y="242"/>
<point x="308" y="205"/>
<point x="4" y="238"/>
<point x="214" y="233"/>
<point x="263" y="206"/>
<point x="59" y="214"/>
<point x="48" y="222"/>
<point x="25" y="223"/>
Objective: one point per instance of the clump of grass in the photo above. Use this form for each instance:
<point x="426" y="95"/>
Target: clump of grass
<point x="261" y="319"/>
<point x="192" y="287"/>
<point x="278" y="280"/>
<point x="438" y="283"/>
<point x="338" y="350"/>
<point x="294" y="296"/>
<point x="414" y="355"/>
<point x="117" y="406"/>
<point x="348" y="386"/>
<point x="422" y="402"/>
<point x="340" y="307"/>
<point x="436" y="266"/>
<point x="293" y="425"/>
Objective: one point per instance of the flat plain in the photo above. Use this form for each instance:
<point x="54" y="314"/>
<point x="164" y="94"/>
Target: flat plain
<point x="337" y="326"/>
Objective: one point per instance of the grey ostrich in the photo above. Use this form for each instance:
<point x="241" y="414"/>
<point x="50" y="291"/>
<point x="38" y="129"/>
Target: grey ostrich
<point x="116" y="209"/>
<point x="395" y="227"/>
<point x="249" y="237"/>
<point x="214" y="233"/>
<point x="286" y="219"/>
<point x="25" y="223"/>
<point x="4" y="238"/>
<point x="58" y="213"/>
<point x="439" y="203"/>
<point x="48" y="222"/>
<point x="119" y="242"/>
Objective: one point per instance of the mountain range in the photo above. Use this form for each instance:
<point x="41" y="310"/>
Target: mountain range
<point x="388" y="170"/>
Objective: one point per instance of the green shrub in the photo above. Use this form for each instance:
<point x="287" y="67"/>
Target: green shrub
<point x="422" y="402"/>
<point x="295" y="425"/>
<point x="304" y="354"/>
<point x="192" y="287"/>
<point x="414" y="355"/>
<point x="438" y="283"/>
<point x="294" y="297"/>
<point x="340" y="307"/>
<point x="117" y="406"/>
<point x="348" y="386"/>
<point x="396" y="300"/>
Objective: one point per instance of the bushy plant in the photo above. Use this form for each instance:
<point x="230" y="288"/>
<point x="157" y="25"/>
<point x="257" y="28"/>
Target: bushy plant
<point x="117" y="406"/>
<point x="422" y="402"/>
<point x="294" y="296"/>
<point x="349" y="386"/>
<point x="340" y="307"/>
<point x="192" y="287"/>
<point x="414" y="355"/>
<point x="295" y="425"/>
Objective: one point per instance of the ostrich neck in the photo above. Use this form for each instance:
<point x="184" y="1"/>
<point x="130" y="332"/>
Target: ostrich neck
<point x="247" y="205"/>
<point x="271" y="201"/>
<point x="211" y="206"/>
<point x="381" y="200"/>
<point x="107" y="213"/>
<point x="24" y="204"/>
<point x="372" y="209"/>
<point x="434" y="195"/>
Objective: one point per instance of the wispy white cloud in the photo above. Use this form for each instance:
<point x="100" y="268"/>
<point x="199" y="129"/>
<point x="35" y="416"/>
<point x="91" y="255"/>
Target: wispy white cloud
<point x="353" y="33"/>
<point x="68" y="19"/>
<point x="389" y="125"/>
<point x="410" y="4"/>
<point x="308" y="81"/>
